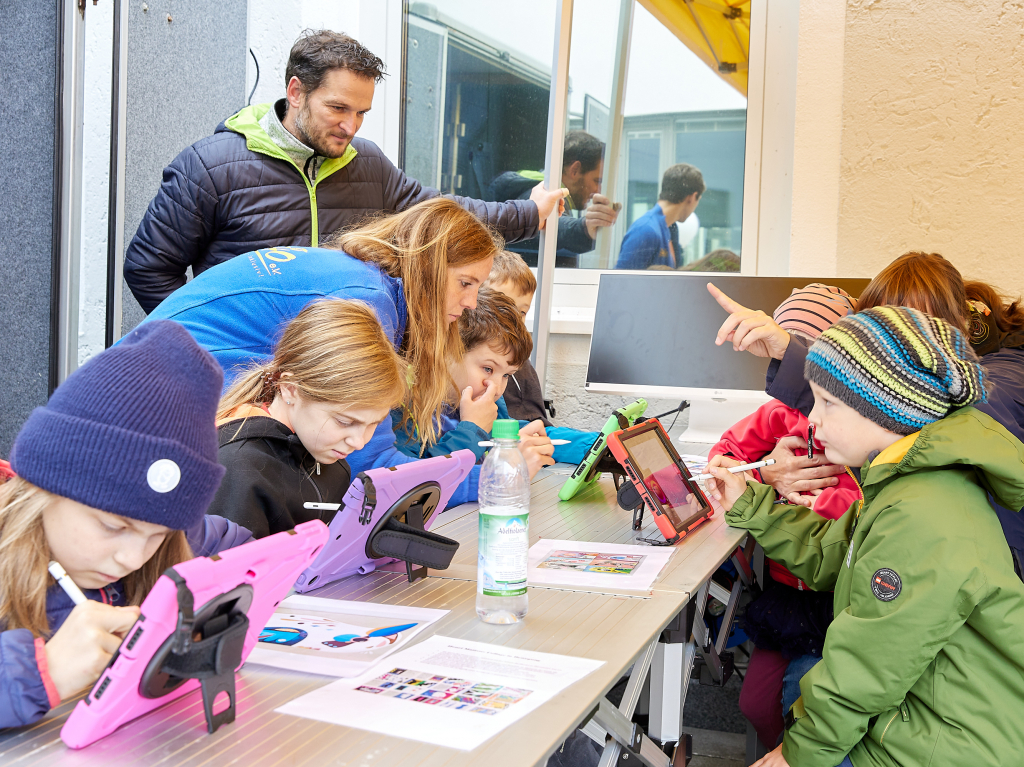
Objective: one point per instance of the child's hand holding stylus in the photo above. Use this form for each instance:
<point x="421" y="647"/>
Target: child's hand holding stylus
<point x="80" y="649"/>
<point x="725" y="487"/>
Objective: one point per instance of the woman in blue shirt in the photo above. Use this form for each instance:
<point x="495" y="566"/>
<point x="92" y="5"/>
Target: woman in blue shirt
<point x="418" y="270"/>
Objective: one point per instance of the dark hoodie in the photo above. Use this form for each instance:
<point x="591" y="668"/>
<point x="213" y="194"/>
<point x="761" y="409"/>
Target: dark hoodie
<point x="270" y="475"/>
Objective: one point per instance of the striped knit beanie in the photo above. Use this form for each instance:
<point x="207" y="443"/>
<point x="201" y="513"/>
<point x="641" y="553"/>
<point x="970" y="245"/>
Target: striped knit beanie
<point x="811" y="309"/>
<point x="901" y="368"/>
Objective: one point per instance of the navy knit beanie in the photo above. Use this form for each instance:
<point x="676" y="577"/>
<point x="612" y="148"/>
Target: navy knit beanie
<point x="132" y="431"/>
<point x="899" y="367"/>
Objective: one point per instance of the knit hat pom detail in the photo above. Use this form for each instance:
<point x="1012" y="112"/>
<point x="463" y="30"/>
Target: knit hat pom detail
<point x="897" y="366"/>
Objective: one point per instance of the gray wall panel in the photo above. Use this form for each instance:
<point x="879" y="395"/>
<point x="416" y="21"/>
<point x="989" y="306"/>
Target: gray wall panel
<point x="28" y="31"/>
<point x="184" y="77"/>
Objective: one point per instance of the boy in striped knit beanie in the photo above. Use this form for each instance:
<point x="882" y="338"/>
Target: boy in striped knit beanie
<point x="924" y="662"/>
<point x="787" y="621"/>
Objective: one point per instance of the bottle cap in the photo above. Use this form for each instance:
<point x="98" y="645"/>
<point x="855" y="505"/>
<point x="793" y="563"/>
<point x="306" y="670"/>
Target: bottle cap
<point x="505" y="428"/>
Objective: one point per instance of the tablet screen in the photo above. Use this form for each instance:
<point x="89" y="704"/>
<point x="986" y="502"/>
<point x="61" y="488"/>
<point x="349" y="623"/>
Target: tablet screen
<point x="679" y="499"/>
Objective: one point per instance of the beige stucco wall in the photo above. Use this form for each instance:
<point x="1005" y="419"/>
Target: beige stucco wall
<point x="932" y="130"/>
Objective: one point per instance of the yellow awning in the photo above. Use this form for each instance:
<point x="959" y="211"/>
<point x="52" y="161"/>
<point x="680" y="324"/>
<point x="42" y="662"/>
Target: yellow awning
<point x="718" y="31"/>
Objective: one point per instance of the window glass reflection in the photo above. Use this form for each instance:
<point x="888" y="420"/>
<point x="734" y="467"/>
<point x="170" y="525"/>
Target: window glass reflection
<point x="677" y="110"/>
<point x="476" y="115"/>
<point x="477" y="85"/>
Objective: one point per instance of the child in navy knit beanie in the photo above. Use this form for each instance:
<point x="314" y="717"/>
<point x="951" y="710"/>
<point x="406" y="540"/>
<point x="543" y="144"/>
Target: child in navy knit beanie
<point x="110" y="473"/>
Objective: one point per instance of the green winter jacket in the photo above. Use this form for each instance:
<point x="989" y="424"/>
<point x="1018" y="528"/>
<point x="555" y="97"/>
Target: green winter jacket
<point x="924" y="662"/>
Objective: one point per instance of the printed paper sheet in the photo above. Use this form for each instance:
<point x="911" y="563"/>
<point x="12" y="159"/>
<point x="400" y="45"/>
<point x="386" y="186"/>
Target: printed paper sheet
<point x="335" y="637"/>
<point x="448" y="692"/>
<point x="608" y="566"/>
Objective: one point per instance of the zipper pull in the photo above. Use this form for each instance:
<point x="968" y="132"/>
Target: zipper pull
<point x="318" y="468"/>
<point x="905" y="711"/>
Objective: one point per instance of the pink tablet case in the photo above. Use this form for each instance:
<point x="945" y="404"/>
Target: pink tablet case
<point x="372" y="498"/>
<point x="234" y="592"/>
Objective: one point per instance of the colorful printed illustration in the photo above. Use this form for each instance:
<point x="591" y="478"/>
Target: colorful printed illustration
<point x="376" y="638"/>
<point x="445" y="691"/>
<point x="592" y="562"/>
<point x="282" y="636"/>
<point x="317" y="633"/>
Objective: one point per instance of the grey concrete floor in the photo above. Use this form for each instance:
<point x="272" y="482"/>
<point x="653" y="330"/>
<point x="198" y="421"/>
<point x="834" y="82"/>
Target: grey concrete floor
<point x="717" y="749"/>
<point x="712" y="716"/>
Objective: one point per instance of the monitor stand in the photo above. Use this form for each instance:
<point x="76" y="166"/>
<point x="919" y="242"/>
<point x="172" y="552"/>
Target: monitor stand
<point x="711" y="415"/>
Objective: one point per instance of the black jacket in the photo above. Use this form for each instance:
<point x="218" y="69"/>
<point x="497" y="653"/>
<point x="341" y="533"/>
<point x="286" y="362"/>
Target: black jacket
<point x="270" y="474"/>
<point x="573" y="237"/>
<point x="219" y="199"/>
<point x="524" y="397"/>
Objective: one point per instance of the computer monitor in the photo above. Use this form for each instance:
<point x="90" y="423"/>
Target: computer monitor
<point x="654" y="337"/>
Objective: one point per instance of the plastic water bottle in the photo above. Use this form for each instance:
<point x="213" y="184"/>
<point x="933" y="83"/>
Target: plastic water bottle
<point x="504" y="529"/>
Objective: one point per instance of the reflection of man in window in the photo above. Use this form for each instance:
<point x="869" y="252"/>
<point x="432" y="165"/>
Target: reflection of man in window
<point x="586" y="209"/>
<point x="649" y="241"/>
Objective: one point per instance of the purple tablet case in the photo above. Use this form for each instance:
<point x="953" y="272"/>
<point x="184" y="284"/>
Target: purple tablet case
<point x="196" y="627"/>
<point x="386" y="516"/>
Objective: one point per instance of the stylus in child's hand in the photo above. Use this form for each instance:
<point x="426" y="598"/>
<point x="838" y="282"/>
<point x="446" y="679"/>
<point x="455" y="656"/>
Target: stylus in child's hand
<point x="737" y="469"/>
<point x="65" y="582"/>
<point x="321" y="506"/>
<point x="556" y="442"/>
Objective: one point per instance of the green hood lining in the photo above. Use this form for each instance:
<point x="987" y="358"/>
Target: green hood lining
<point x="247" y="123"/>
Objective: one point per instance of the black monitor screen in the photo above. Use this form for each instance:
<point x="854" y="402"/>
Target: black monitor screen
<point x="658" y="328"/>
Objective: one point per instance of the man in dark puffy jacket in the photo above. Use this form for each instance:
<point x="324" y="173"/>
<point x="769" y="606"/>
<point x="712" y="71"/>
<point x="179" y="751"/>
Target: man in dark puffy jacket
<point x="289" y="173"/>
<point x="586" y="210"/>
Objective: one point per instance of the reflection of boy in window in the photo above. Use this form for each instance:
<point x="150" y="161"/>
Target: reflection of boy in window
<point x="586" y="209"/>
<point x="649" y="241"/>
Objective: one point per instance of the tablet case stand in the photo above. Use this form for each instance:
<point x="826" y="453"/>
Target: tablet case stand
<point x="212" y="659"/>
<point x="417" y="506"/>
<point x="587" y="472"/>
<point x="196" y="626"/>
<point x="385" y="520"/>
<point x="630" y="500"/>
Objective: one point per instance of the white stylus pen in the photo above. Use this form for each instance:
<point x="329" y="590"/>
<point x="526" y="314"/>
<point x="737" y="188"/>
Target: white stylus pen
<point x="555" y="442"/>
<point x="69" y="586"/>
<point x="738" y="469"/>
<point x="321" y="506"/>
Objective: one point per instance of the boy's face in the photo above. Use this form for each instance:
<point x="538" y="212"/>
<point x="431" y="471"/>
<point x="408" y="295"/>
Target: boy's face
<point x="521" y="300"/>
<point x="847" y="437"/>
<point x="480" y="365"/>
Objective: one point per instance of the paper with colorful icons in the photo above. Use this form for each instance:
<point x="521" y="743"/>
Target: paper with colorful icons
<point x="335" y="637"/>
<point x="454" y="692"/>
<point x="612" y="567"/>
<point x="445" y="691"/>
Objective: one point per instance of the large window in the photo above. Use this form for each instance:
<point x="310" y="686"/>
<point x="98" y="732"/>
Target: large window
<point x="476" y="116"/>
<point x="476" y="105"/>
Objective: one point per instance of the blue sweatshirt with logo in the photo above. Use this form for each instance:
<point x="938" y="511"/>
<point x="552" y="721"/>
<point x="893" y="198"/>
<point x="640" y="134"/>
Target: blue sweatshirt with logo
<point x="237" y="311"/>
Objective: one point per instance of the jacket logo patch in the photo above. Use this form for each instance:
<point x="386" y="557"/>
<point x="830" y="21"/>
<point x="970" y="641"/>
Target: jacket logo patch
<point x="886" y="584"/>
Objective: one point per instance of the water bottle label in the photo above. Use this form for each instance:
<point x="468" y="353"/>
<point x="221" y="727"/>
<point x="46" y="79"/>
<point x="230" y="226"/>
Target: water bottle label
<point x="504" y="550"/>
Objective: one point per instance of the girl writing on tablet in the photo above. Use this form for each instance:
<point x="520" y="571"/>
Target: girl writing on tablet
<point x="113" y="477"/>
<point x="286" y="426"/>
<point x="417" y="269"/>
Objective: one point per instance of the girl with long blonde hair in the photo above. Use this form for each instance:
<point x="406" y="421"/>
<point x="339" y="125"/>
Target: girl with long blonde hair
<point x="418" y="270"/>
<point x="286" y="426"/>
<point x="113" y="478"/>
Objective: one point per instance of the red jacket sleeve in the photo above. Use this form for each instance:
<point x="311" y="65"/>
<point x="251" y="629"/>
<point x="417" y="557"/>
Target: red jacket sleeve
<point x="752" y="438"/>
